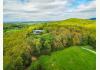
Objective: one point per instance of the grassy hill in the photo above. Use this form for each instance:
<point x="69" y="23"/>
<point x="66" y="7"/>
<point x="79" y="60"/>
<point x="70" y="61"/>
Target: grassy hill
<point x="73" y="58"/>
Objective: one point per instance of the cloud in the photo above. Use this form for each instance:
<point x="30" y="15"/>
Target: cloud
<point x="36" y="10"/>
<point x="86" y="7"/>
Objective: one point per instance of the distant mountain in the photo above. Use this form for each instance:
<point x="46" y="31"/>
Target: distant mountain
<point x="92" y="18"/>
<point x="68" y="20"/>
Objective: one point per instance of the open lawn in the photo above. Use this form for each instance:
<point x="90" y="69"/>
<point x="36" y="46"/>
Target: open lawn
<point x="73" y="58"/>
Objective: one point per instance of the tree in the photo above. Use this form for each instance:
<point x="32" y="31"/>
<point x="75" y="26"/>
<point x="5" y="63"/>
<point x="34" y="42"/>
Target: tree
<point x="19" y="63"/>
<point x="76" y="38"/>
<point x="37" y="46"/>
<point x="8" y="63"/>
<point x="47" y="47"/>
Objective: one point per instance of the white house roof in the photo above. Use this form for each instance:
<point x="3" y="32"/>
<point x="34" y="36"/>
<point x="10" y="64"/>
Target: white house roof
<point x="38" y="31"/>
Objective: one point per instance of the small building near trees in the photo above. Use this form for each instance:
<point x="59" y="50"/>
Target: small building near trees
<point x="38" y="31"/>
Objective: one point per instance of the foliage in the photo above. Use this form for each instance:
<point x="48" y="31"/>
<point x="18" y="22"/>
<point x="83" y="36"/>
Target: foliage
<point x="20" y="43"/>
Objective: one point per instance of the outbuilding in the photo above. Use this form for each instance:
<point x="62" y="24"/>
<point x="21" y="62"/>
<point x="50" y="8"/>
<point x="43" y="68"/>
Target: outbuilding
<point x="38" y="31"/>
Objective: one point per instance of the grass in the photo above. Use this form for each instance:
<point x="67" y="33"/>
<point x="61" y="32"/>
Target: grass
<point x="89" y="47"/>
<point x="73" y="58"/>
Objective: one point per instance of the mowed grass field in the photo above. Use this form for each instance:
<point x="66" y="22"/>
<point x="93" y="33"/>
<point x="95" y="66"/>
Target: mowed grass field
<point x="73" y="58"/>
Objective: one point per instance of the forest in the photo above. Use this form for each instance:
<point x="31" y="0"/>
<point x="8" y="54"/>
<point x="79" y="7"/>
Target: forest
<point x="57" y="47"/>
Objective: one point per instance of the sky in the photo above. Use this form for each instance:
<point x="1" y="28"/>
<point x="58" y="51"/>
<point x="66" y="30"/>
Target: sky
<point x="47" y="10"/>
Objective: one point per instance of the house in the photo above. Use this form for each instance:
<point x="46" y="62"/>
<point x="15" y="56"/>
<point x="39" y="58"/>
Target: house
<point x="38" y="31"/>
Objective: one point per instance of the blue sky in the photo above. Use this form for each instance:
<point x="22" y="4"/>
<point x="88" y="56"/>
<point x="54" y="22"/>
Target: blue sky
<point x="48" y="10"/>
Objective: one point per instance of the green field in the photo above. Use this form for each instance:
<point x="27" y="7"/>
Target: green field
<point x="52" y="49"/>
<point x="73" y="58"/>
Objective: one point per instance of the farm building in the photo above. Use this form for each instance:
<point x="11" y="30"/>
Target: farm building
<point x="38" y="31"/>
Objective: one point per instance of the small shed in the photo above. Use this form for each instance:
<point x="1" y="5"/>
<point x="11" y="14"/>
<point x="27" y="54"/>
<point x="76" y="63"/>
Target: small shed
<point x="38" y="31"/>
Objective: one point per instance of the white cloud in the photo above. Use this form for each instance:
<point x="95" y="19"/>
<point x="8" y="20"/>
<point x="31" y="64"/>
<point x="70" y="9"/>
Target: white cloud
<point x="43" y="9"/>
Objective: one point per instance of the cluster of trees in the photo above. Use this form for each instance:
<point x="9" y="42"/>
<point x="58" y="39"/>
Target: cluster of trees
<point x="16" y="51"/>
<point x="21" y="45"/>
<point x="13" y="26"/>
<point x="60" y="38"/>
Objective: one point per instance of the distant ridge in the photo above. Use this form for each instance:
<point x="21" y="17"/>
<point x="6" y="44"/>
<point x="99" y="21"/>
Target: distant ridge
<point x="92" y="18"/>
<point x="70" y="20"/>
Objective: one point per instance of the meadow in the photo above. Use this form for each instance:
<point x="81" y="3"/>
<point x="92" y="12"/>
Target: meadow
<point x="73" y="58"/>
<point x="58" y="47"/>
